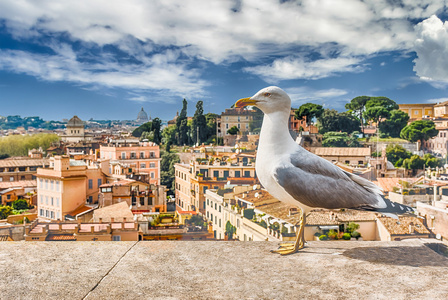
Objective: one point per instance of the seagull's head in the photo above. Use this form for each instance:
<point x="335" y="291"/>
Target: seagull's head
<point x="269" y="100"/>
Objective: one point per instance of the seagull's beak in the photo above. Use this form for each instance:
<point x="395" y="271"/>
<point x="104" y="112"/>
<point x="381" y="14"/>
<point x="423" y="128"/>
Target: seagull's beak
<point x="245" y="102"/>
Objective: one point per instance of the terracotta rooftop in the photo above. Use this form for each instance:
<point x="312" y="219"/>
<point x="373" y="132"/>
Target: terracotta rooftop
<point x="123" y="182"/>
<point x="20" y="183"/>
<point x="23" y="162"/>
<point x="388" y="184"/>
<point x="327" y="217"/>
<point x="340" y="151"/>
<point x="117" y="211"/>
<point x="80" y="210"/>
<point x="402" y="225"/>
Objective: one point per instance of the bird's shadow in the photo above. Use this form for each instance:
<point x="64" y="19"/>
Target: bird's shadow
<point x="421" y="256"/>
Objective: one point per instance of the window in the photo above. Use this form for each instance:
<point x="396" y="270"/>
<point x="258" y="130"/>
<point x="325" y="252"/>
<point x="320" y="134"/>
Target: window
<point x="219" y="221"/>
<point x="57" y="186"/>
<point x="152" y="174"/>
<point x="51" y="184"/>
<point x="204" y="189"/>
<point x="1" y="179"/>
<point x="237" y="173"/>
<point x="41" y="212"/>
<point x="41" y="199"/>
<point x="227" y="126"/>
<point x="57" y="201"/>
<point x="207" y="215"/>
<point x="133" y="155"/>
<point x="100" y="182"/>
<point x="116" y="238"/>
<point x="347" y="162"/>
<point x="123" y="155"/>
<point x="11" y="178"/>
<point x="211" y="217"/>
<point x="207" y="202"/>
<point x="142" y="200"/>
<point x="52" y="201"/>
<point x="246" y="173"/>
<point x="415" y="112"/>
<point x="152" y="154"/>
<point x="8" y="197"/>
<point x="46" y="200"/>
<point x="220" y="210"/>
<point x="46" y="213"/>
<point x="52" y="214"/>
<point x="41" y="183"/>
<point x="215" y="173"/>
<point x="150" y="201"/>
<point x="142" y="154"/>
<point x="216" y="207"/>
<point x="90" y="184"/>
<point x="143" y="166"/>
<point x="46" y="184"/>
<point x="360" y="162"/>
<point x="152" y="165"/>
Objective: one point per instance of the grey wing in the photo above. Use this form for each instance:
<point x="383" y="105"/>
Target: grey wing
<point x="316" y="182"/>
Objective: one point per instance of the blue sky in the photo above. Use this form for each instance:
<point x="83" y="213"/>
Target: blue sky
<point x="105" y="59"/>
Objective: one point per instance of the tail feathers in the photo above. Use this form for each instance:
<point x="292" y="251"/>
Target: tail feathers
<point x="392" y="209"/>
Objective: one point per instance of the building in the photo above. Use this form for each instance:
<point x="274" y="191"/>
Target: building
<point x="439" y="143"/>
<point x="296" y="125"/>
<point x="140" y="196"/>
<point x="418" y="111"/>
<point x="66" y="186"/>
<point x="80" y="231"/>
<point x="75" y="130"/>
<point x="192" y="180"/>
<point x="142" y="117"/>
<point x="139" y="157"/>
<point x="390" y="229"/>
<point x="20" y="168"/>
<point x="436" y="217"/>
<point x="348" y="155"/>
<point x="235" y="117"/>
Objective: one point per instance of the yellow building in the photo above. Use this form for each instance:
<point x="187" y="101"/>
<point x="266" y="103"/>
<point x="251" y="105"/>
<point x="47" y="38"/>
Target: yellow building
<point x="419" y="111"/>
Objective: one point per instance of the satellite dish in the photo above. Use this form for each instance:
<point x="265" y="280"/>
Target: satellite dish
<point x="257" y="195"/>
<point x="254" y="187"/>
<point x="438" y="236"/>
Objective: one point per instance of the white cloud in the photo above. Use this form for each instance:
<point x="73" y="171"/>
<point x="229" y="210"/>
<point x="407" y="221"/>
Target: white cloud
<point x="432" y="50"/>
<point x="301" y="95"/>
<point x="222" y="31"/>
<point x="438" y="100"/>
<point x="170" y="78"/>
<point x="293" y="68"/>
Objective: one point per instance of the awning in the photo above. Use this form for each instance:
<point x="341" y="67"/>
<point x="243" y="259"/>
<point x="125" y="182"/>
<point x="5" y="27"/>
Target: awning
<point x="336" y="227"/>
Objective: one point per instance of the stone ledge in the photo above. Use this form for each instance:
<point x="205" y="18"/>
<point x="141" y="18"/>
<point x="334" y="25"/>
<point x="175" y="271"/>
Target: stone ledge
<point x="221" y="270"/>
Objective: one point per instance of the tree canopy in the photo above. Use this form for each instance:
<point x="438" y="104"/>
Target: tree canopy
<point x="331" y="120"/>
<point x="340" y="139"/>
<point x="199" y="125"/>
<point x="396" y="153"/>
<point x="420" y="130"/>
<point x="357" y="105"/>
<point x="18" y="145"/>
<point x="395" y="123"/>
<point x="379" y="108"/>
<point x="309" y="111"/>
<point x="233" y="130"/>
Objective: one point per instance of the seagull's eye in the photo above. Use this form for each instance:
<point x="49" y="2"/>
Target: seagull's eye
<point x="267" y="94"/>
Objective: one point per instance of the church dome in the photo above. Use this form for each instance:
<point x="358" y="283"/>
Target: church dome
<point x="75" y="122"/>
<point x="142" y="116"/>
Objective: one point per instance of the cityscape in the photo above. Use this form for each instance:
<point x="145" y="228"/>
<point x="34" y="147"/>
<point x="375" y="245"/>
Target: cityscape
<point x="128" y="171"/>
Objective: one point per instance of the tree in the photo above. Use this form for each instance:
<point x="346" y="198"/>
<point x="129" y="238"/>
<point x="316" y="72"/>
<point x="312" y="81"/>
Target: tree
<point x="199" y="125"/>
<point x="169" y="136"/>
<point x="5" y="211"/>
<point x="230" y="230"/>
<point x="18" y="145"/>
<point x="331" y="120"/>
<point x="211" y="127"/>
<point x="309" y="111"/>
<point x="147" y="135"/>
<point x="432" y="161"/>
<point x="414" y="163"/>
<point x="20" y="204"/>
<point x="182" y="125"/>
<point x="396" y="153"/>
<point x="420" y="130"/>
<point x="379" y="108"/>
<point x="395" y="123"/>
<point x="339" y="139"/>
<point x="233" y="130"/>
<point x="167" y="172"/>
<point x="257" y="120"/>
<point x="357" y="106"/>
<point x="156" y="124"/>
<point x="146" y="127"/>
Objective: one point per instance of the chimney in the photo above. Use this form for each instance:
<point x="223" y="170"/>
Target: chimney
<point x="411" y="228"/>
<point x="112" y="220"/>
<point x="101" y="220"/>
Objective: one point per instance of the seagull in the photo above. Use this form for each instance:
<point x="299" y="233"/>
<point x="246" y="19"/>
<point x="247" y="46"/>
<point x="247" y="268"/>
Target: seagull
<point x="300" y="178"/>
